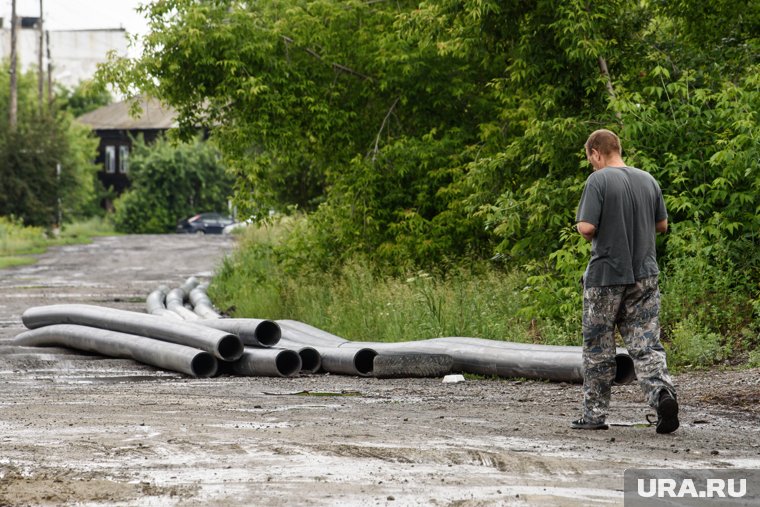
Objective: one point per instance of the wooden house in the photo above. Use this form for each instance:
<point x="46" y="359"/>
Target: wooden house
<point x="116" y="129"/>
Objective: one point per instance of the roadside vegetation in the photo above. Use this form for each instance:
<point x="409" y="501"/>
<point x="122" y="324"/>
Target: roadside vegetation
<point x="430" y="156"/>
<point x="19" y="243"/>
<point x="360" y="303"/>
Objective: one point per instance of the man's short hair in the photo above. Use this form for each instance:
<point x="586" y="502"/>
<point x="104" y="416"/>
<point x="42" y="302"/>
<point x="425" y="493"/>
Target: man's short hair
<point x="604" y="141"/>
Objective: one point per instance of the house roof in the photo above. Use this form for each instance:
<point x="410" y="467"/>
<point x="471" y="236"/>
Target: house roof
<point x="116" y="116"/>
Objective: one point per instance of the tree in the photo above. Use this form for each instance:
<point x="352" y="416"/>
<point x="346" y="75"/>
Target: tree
<point x="83" y="98"/>
<point x="31" y="188"/>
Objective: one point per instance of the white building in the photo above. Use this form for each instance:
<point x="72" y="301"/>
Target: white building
<point x="74" y="54"/>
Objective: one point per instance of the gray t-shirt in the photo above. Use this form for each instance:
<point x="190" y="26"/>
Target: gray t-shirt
<point x="624" y="203"/>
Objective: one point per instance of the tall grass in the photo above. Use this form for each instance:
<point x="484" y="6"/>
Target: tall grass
<point x="18" y="243"/>
<point x="86" y="229"/>
<point x="15" y="239"/>
<point x="357" y="303"/>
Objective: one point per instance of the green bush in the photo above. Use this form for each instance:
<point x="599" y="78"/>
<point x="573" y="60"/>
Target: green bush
<point x="754" y="359"/>
<point x="704" y="290"/>
<point x="169" y="182"/>
<point x="692" y="346"/>
<point x="31" y="188"/>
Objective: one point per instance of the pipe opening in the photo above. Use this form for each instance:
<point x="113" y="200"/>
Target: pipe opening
<point x="625" y="373"/>
<point x="310" y="359"/>
<point x="364" y="361"/>
<point x="203" y="365"/>
<point x="288" y="363"/>
<point x="230" y="348"/>
<point x="268" y="333"/>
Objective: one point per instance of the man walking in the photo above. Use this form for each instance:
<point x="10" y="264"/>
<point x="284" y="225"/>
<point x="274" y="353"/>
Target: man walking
<point x="620" y="212"/>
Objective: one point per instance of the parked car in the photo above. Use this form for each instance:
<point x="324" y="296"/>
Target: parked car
<point x="204" y="223"/>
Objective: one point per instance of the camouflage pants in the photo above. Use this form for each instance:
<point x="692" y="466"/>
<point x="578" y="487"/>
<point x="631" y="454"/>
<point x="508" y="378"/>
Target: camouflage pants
<point x="634" y="309"/>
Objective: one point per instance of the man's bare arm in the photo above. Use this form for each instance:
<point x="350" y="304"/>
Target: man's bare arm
<point x="661" y="226"/>
<point x="586" y="230"/>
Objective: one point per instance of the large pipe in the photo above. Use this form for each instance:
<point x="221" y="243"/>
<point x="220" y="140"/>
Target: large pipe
<point x="472" y="355"/>
<point x="504" y="358"/>
<point x="346" y="361"/>
<point x="412" y="365"/>
<point x="256" y="332"/>
<point x="625" y="371"/>
<point x="225" y="346"/>
<point x="191" y="283"/>
<point x="300" y="332"/>
<point x="476" y="355"/>
<point x="516" y="345"/>
<point x="170" y="356"/>
<point x="266" y="363"/>
<point x="175" y="302"/>
<point x="202" y="304"/>
<point x="155" y="304"/>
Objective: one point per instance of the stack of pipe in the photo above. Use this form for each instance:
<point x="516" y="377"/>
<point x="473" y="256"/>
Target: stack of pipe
<point x="171" y="344"/>
<point x="183" y="332"/>
<point x="261" y="356"/>
<point x="163" y="338"/>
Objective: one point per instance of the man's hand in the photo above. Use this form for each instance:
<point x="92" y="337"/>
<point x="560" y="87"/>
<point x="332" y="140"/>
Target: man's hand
<point x="586" y="230"/>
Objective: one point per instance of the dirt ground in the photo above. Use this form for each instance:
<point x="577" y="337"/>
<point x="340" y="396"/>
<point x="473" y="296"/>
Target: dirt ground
<point x="79" y="429"/>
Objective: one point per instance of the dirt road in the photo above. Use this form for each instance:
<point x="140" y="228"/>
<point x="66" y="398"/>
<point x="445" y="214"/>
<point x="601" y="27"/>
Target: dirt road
<point x="79" y="429"/>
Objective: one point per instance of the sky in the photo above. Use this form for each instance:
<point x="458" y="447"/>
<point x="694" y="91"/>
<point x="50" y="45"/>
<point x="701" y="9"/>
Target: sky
<point x="81" y="14"/>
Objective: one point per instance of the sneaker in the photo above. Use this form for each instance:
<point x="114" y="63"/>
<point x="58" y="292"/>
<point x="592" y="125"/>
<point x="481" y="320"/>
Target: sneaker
<point x="582" y="424"/>
<point x="667" y="413"/>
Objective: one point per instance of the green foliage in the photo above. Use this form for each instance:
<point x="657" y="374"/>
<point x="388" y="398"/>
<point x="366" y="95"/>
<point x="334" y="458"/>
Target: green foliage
<point x="754" y="359"/>
<point x="400" y="208"/>
<point x="170" y="182"/>
<point x="554" y="291"/>
<point x="83" y="98"/>
<point x="298" y="93"/>
<point x="428" y="135"/>
<point x="15" y="239"/>
<point x="703" y="283"/>
<point x="691" y="346"/>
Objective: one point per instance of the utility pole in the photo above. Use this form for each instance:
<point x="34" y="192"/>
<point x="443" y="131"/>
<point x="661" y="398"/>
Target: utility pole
<point x="59" y="211"/>
<point x="40" y="69"/>
<point x="13" y="106"/>
<point x="49" y="70"/>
